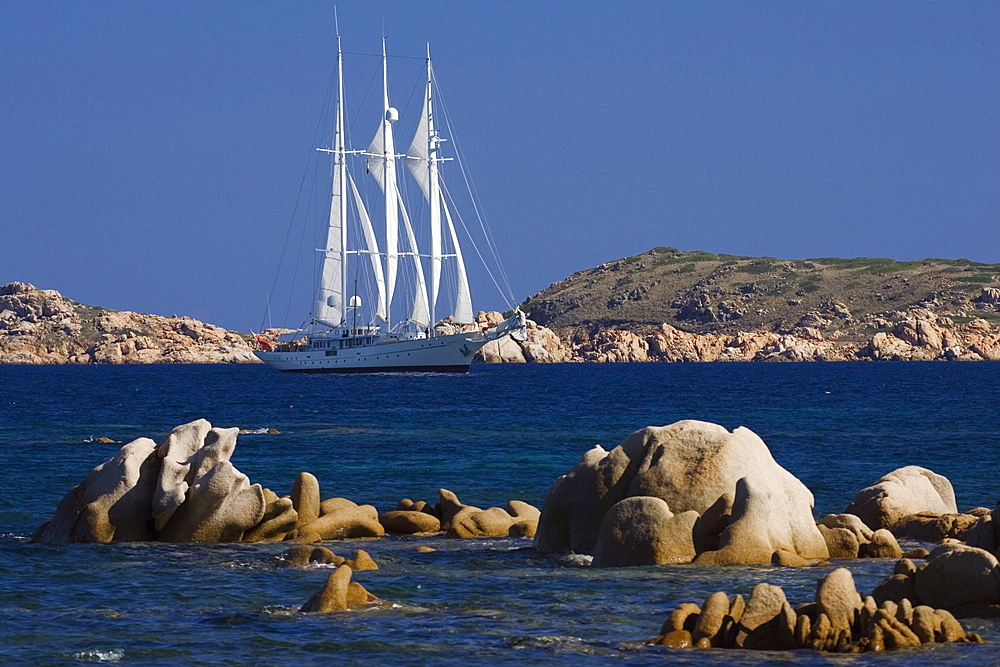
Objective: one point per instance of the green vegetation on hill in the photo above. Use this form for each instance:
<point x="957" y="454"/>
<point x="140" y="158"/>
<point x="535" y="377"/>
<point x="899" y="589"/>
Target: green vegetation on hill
<point x="705" y="292"/>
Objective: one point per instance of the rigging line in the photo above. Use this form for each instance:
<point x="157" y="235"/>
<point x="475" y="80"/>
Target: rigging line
<point x="458" y="214"/>
<point x="409" y="100"/>
<point x="302" y="240"/>
<point x="379" y="56"/>
<point x="364" y="98"/>
<point x="477" y="206"/>
<point x="507" y="295"/>
<point x="474" y="195"/>
<point x="298" y="197"/>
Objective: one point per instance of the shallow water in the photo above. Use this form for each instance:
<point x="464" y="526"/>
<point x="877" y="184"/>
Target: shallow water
<point x="498" y="433"/>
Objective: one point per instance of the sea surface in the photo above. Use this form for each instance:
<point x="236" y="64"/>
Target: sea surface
<point x="496" y="434"/>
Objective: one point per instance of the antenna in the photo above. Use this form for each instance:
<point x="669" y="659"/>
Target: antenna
<point x="336" y="22"/>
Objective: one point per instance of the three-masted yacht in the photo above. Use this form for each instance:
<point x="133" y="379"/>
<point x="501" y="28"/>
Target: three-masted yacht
<point x="335" y="341"/>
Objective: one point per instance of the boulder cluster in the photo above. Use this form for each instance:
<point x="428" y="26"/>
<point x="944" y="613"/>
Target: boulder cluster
<point x="963" y="579"/>
<point x="687" y="492"/>
<point x="847" y="536"/>
<point x="450" y="515"/>
<point x="693" y="492"/>
<point x="838" y="620"/>
<point x="185" y="489"/>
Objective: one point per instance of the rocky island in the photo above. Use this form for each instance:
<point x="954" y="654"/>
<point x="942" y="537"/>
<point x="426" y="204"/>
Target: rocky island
<point x="668" y="305"/>
<point x="39" y="326"/>
<point x="662" y="305"/>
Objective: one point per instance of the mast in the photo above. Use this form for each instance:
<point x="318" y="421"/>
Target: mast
<point x="434" y="192"/>
<point x="330" y="307"/>
<point x="422" y="161"/>
<point x="381" y="158"/>
<point x="389" y="116"/>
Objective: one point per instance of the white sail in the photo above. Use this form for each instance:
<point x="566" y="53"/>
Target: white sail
<point x="416" y="155"/>
<point x="463" y="299"/>
<point x="330" y="302"/>
<point x="371" y="246"/>
<point x="419" y="313"/>
<point x="422" y="161"/>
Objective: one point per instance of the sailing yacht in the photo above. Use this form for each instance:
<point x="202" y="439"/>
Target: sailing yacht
<point x="335" y="341"/>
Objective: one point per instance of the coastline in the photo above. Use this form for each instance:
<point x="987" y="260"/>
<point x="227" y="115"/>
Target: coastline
<point x="42" y="327"/>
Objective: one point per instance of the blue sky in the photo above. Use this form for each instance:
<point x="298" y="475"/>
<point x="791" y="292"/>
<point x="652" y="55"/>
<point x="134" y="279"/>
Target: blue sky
<point x="152" y="152"/>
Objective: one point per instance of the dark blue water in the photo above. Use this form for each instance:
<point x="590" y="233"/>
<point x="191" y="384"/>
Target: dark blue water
<point x="498" y="433"/>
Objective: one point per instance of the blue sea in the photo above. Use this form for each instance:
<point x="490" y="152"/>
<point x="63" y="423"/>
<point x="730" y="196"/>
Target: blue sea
<point x="501" y="432"/>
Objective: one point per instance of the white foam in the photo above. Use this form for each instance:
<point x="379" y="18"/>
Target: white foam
<point x="113" y="655"/>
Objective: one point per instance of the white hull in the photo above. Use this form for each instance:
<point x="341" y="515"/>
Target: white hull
<point x="440" y="354"/>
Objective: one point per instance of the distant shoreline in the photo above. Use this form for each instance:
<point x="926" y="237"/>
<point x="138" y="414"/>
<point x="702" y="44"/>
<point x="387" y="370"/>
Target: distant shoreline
<point x="42" y="327"/>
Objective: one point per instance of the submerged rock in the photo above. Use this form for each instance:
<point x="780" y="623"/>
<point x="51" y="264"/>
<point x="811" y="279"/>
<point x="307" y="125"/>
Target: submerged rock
<point x="964" y="580"/>
<point x="838" y="621"/>
<point x="301" y="555"/>
<point x="339" y="593"/>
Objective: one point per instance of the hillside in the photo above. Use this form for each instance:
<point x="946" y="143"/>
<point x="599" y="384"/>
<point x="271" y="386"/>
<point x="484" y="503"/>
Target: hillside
<point x="705" y="293"/>
<point x="43" y="327"/>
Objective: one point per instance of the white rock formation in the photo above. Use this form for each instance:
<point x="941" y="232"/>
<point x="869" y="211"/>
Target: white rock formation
<point x="750" y="508"/>
<point x="904" y="491"/>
